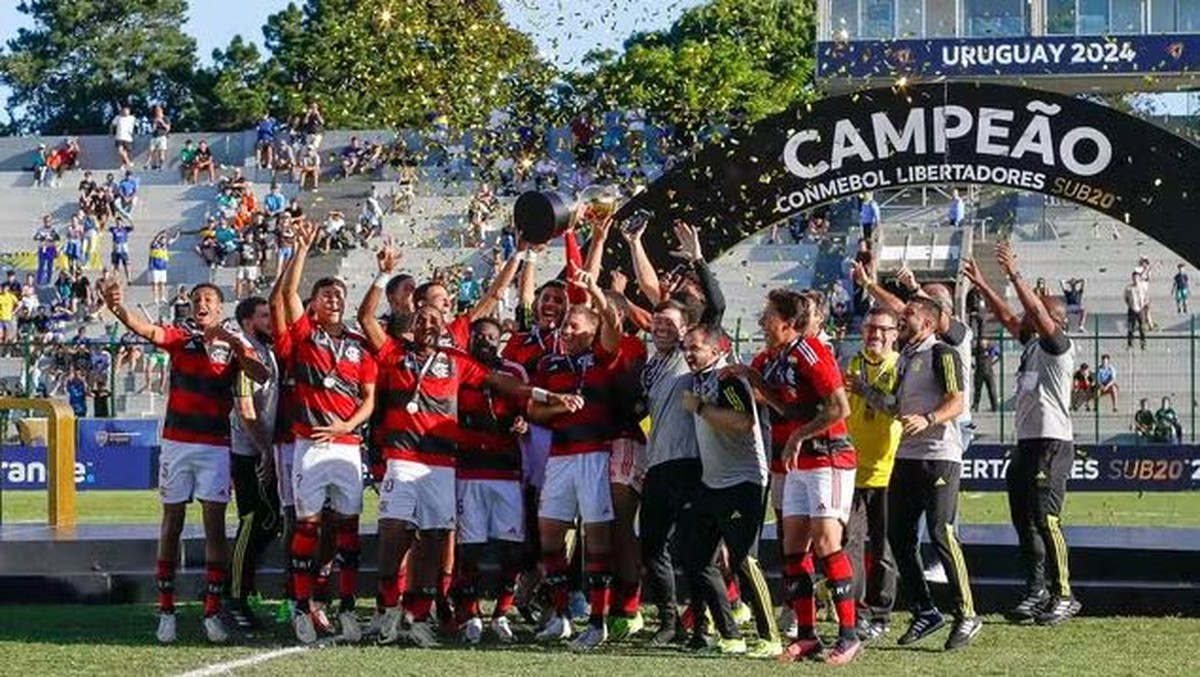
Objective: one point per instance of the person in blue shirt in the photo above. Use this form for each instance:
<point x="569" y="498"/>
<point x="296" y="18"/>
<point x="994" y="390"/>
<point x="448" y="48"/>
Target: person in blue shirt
<point x="469" y="291"/>
<point x="1106" y="381"/>
<point x="958" y="210"/>
<point x="1181" y="287"/>
<point x="77" y="392"/>
<point x="127" y="192"/>
<point x="274" y="203"/>
<point x="265" y="132"/>
<point x="868" y="215"/>
<point x="120" y="251"/>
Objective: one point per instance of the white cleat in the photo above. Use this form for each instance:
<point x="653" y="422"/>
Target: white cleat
<point x="591" y="637"/>
<point x="214" y="629"/>
<point x="472" y="630"/>
<point x="422" y="634"/>
<point x="166" y="628"/>
<point x="351" y="629"/>
<point x="375" y="626"/>
<point x="788" y="626"/>
<point x="389" y="626"/>
<point x="503" y="630"/>
<point x="306" y="632"/>
<point x="557" y="629"/>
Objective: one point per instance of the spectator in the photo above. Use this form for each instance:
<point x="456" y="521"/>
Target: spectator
<point x="1040" y="288"/>
<point x="160" y="257"/>
<point x="332" y="231"/>
<point x="957" y="212"/>
<point x="77" y="393"/>
<point x="352" y="156"/>
<point x="371" y="218"/>
<point x="227" y="241"/>
<point x="1142" y="270"/>
<point x="986" y="354"/>
<point x="101" y="398"/>
<point x="868" y="215"/>
<point x="1106" y="381"/>
<point x="74" y="247"/>
<point x="81" y="294"/>
<point x="313" y="127"/>
<point x="285" y="244"/>
<point x="508" y="240"/>
<point x="181" y="306"/>
<point x="545" y="173"/>
<point x="1143" y="420"/>
<point x="1136" y="309"/>
<point x="1181" y="289"/>
<point x="187" y="162"/>
<point x="8" y="317"/>
<point x="483" y="203"/>
<point x="264" y="144"/>
<point x="237" y="185"/>
<point x="250" y="256"/>
<point x="41" y="169"/>
<point x="274" y="203"/>
<point x="47" y="250"/>
<point x="1083" y="388"/>
<point x="123" y="125"/>
<point x="310" y="168"/>
<point x="62" y="289"/>
<point x="203" y="161"/>
<point x="469" y="291"/>
<point x="120" y="249"/>
<point x="127" y="194"/>
<point x="1166" y="423"/>
<point x="160" y="127"/>
<point x="1072" y="291"/>
<point x="11" y="283"/>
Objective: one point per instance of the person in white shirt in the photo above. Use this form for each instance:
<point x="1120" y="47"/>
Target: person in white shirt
<point x="1136" y="301"/>
<point x="123" y="125"/>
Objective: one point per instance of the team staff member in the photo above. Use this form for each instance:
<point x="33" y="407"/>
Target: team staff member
<point x="799" y="379"/>
<point x="194" y="461"/>
<point x="1037" y="475"/>
<point x="576" y="484"/>
<point x="334" y="395"/>
<point x="925" y="478"/>
<point x="871" y="379"/>
<point x="252" y="427"/>
<point x="728" y="505"/>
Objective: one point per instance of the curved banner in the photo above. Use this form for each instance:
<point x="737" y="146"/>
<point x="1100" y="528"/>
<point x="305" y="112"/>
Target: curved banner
<point x="951" y="133"/>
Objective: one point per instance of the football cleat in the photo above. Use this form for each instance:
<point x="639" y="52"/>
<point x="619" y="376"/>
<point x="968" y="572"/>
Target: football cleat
<point x="422" y="634"/>
<point x="306" y="632"/>
<point x="788" y="627"/>
<point x="803" y="648"/>
<point x="166" y="628"/>
<point x="624" y="627"/>
<point x="766" y="650"/>
<point x="390" y="629"/>
<point x="922" y="625"/>
<point x="503" y="630"/>
<point x="556" y="629"/>
<point x="351" y="628"/>
<point x="472" y="630"/>
<point x="963" y="632"/>
<point x="591" y="637"/>
<point x="1029" y="608"/>
<point x="578" y="608"/>
<point x="844" y="651"/>
<point x="1058" y="610"/>
<point x="214" y="630"/>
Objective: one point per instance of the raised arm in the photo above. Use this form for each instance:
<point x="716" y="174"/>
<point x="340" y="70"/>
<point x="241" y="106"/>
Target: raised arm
<point x="495" y="292"/>
<point x="114" y="300"/>
<point x="866" y="280"/>
<point x="595" y="252"/>
<point x="643" y="269"/>
<point x="306" y="233"/>
<point x="527" y="285"/>
<point x="636" y="314"/>
<point x="690" y="251"/>
<point x="610" y="325"/>
<point x="997" y="305"/>
<point x="387" y="258"/>
<point x="1030" y="301"/>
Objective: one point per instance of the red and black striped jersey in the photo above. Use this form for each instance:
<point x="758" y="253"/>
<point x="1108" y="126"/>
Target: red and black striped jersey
<point x="804" y="373"/>
<point x="286" y="404"/>
<point x="487" y="447"/>
<point x="426" y="435"/>
<point x="630" y="402"/>
<point x="528" y="348"/>
<point x="327" y="375"/>
<point x="591" y="374"/>
<point x="457" y="333"/>
<point x="201" y="393"/>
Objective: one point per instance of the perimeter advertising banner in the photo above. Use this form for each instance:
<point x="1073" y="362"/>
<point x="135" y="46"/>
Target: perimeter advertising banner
<point x="1166" y="54"/>
<point x="109" y="454"/>
<point x="1097" y="468"/>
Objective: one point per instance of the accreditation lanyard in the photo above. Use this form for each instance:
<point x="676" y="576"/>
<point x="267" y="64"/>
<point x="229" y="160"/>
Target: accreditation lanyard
<point x="777" y="366"/>
<point x="412" y="407"/>
<point x="580" y="371"/>
<point x="656" y="369"/>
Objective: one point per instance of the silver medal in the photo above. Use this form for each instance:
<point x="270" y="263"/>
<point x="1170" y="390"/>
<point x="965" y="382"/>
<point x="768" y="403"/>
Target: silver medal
<point x="328" y="382"/>
<point x="411" y="407"/>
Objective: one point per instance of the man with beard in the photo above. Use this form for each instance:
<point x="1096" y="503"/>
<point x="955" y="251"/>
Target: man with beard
<point x="252" y="423"/>
<point x="458" y="327"/>
<point x="417" y="433"/>
<point x="334" y="394"/>
<point x="194" y="462"/>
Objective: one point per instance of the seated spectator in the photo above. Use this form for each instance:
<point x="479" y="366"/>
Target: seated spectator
<point x="237" y="185"/>
<point x="1106" y="381"/>
<point x="264" y="143"/>
<point x="1072" y="291"/>
<point x="227" y="240"/>
<point x="1083" y="388"/>
<point x="187" y="162"/>
<point x="1143" y="420"/>
<point x="406" y="188"/>
<point x="274" y="203"/>
<point x="203" y="161"/>
<point x="1166" y="424"/>
<point x="332" y="234"/>
<point x="352" y="156"/>
<point x="68" y="152"/>
<point x="227" y="204"/>
<point x="310" y="168"/>
<point x="41" y="170"/>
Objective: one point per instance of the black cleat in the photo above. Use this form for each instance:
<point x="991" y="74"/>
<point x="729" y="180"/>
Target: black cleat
<point x="669" y="632"/>
<point x="1058" y="610"/>
<point x="700" y="642"/>
<point x="923" y="624"/>
<point x="1034" y="604"/>
<point x="869" y="630"/>
<point x="963" y="632"/>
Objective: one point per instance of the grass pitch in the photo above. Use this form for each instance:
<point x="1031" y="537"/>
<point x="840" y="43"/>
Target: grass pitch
<point x="118" y="640"/>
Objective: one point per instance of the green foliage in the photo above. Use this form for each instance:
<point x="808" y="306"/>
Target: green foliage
<point x="752" y="56"/>
<point x="232" y="91"/>
<point x="391" y="63"/>
<point x="81" y="60"/>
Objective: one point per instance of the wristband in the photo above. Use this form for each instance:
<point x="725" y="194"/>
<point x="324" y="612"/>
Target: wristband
<point x="381" y="281"/>
<point x="540" y="395"/>
<point x="530" y="256"/>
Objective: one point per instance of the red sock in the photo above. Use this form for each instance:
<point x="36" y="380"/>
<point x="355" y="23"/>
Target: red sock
<point x="348" y="549"/>
<point x="214" y="578"/>
<point x="732" y="592"/>
<point x="506" y="598"/>
<point x="420" y="604"/>
<point x="555" y="580"/>
<point x="599" y="584"/>
<point x="389" y="593"/>
<point x="840" y="573"/>
<point x="302" y="551"/>
<point x="165" y="578"/>
<point x="465" y="592"/>
<point x="798" y="573"/>
<point x="627" y="598"/>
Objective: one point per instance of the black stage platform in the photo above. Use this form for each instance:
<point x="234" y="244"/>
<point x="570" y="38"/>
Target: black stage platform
<point x="1116" y="570"/>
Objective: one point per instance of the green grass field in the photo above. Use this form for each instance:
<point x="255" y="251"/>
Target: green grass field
<point x="118" y="640"/>
<point x="1098" y="509"/>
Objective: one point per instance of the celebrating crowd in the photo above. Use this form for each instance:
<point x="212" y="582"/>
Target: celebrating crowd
<point x="542" y="451"/>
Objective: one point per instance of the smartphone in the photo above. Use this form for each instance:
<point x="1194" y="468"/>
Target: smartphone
<point x="636" y="221"/>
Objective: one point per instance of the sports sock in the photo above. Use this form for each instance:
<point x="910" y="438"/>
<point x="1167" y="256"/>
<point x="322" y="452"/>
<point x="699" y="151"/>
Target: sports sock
<point x="627" y="599"/>
<point x="556" y="581"/>
<point x="214" y="579"/>
<point x="465" y="591"/>
<point x="348" y="549"/>
<point x="420" y="603"/>
<point x="506" y="597"/>
<point x="302" y="550"/>
<point x="165" y="578"/>
<point x="798" y="591"/>
<point x="840" y="573"/>
<point x="388" y="596"/>
<point x="599" y="584"/>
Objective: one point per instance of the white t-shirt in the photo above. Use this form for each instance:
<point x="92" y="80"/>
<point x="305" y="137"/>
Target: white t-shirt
<point x="124" y="125"/>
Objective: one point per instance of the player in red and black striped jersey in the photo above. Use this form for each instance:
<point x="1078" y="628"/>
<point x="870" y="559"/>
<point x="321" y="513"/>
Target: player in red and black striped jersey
<point x="418" y="434"/>
<point x="334" y="394"/>
<point x="799" y="379"/>
<point x="458" y="327"/>
<point x="194" y="462"/>
<point x="576" y="483"/>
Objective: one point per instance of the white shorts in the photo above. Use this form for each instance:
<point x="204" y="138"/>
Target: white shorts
<point x="422" y="495"/>
<point x="158" y="277"/>
<point x="577" y="486"/>
<point x="189" y="471"/>
<point x="627" y="463"/>
<point x="490" y="510"/>
<point x="158" y="143"/>
<point x="535" y="449"/>
<point x="326" y="471"/>
<point x="248" y="273"/>
<point x="819" y="492"/>
<point x="777" y="480"/>
<point x="284" y="457"/>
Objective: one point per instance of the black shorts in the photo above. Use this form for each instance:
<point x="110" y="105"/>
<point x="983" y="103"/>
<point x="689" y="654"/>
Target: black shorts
<point x="120" y="259"/>
<point x="127" y="145"/>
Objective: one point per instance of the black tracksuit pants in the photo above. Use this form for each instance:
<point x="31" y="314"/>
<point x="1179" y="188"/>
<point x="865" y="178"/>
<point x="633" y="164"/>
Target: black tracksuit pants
<point x="259" y="522"/>
<point x="666" y="489"/>
<point x="867" y="535"/>
<point x="1037" y="485"/>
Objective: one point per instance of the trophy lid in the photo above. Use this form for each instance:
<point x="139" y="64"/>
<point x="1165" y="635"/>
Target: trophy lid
<point x="539" y="216"/>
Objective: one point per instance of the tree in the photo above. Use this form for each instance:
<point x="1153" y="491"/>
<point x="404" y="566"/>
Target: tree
<point x="755" y="58"/>
<point x="233" y="92"/>
<point x="81" y="60"/>
<point x="391" y="64"/>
